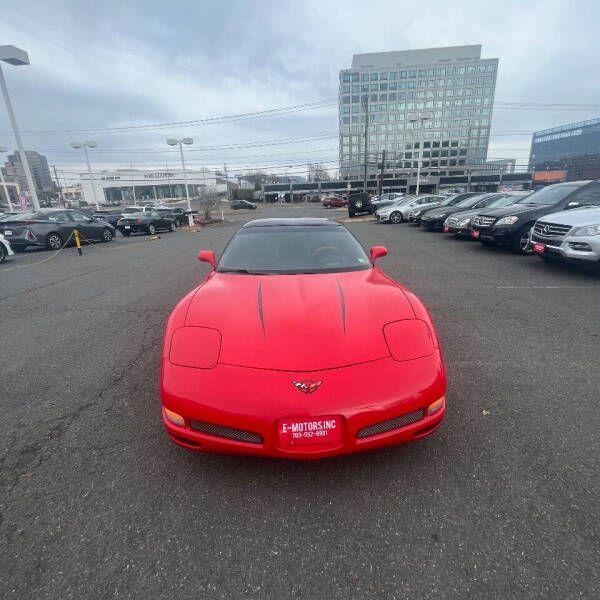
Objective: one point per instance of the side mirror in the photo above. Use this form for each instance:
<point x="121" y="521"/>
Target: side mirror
<point x="208" y="256"/>
<point x="573" y="204"/>
<point x="377" y="252"/>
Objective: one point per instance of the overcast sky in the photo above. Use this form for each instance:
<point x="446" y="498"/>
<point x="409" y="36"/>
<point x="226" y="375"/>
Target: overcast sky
<point x="106" y="64"/>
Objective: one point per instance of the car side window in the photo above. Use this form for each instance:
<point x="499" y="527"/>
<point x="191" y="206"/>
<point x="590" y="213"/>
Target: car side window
<point x="58" y="217"/>
<point x="588" y="196"/>
<point x="78" y="217"/>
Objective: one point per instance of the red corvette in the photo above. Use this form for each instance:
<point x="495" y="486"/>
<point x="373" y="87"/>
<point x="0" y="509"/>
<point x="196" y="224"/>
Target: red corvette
<point x="296" y="345"/>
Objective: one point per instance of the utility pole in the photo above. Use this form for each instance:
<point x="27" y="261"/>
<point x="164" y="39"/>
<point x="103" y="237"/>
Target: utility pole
<point x="366" y="105"/>
<point x="226" y="183"/>
<point x="381" y="170"/>
<point x="60" y="195"/>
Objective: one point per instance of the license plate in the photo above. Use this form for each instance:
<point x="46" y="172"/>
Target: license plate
<point x="8" y="232"/>
<point x="475" y="235"/>
<point x="310" y="431"/>
<point x="446" y="229"/>
<point x="127" y="226"/>
<point x="539" y="248"/>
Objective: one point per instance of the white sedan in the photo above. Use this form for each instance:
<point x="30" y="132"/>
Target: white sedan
<point x="5" y="249"/>
<point x="398" y="212"/>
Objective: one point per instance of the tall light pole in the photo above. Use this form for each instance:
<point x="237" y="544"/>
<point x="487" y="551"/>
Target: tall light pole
<point x="15" y="56"/>
<point x="85" y="146"/>
<point x="179" y="142"/>
<point x="414" y="119"/>
<point x="10" y="206"/>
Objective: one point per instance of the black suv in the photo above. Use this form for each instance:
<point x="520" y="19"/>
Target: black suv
<point x="359" y="202"/>
<point x="510" y="225"/>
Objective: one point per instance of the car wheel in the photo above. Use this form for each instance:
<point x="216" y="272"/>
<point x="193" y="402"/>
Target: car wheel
<point x="173" y="226"/>
<point x="107" y="235"/>
<point x="521" y="241"/>
<point x="351" y="213"/>
<point x="3" y="253"/>
<point x="396" y="217"/>
<point x="54" y="241"/>
<point x="151" y="229"/>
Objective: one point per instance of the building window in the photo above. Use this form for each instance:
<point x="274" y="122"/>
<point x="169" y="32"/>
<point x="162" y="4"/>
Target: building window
<point x="374" y="76"/>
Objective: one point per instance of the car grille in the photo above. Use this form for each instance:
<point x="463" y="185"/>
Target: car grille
<point x="551" y="229"/>
<point x="239" y="435"/>
<point x="544" y="240"/>
<point x="390" y="425"/>
<point x="481" y="221"/>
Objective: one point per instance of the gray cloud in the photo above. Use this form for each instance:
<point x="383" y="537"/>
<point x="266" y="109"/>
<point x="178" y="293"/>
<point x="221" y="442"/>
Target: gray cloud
<point x="115" y="64"/>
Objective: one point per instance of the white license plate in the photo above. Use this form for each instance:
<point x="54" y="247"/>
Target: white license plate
<point x="127" y="226"/>
<point x="8" y="232"/>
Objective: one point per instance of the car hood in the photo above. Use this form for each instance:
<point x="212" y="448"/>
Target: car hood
<point x="578" y="216"/>
<point x="513" y="209"/>
<point x="441" y="210"/>
<point x="299" y="322"/>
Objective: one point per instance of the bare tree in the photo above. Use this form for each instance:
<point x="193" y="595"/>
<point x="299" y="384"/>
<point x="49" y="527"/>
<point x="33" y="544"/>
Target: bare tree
<point x="208" y="200"/>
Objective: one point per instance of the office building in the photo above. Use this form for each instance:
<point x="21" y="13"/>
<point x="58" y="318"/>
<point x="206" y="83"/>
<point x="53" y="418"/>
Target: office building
<point x="40" y="172"/>
<point x="433" y="105"/>
<point x="569" y="152"/>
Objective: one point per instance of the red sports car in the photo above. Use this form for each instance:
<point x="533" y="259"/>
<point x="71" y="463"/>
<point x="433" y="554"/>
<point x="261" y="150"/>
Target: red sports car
<point x="296" y="345"/>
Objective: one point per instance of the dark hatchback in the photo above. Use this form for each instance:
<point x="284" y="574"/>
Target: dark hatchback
<point x="416" y="215"/>
<point x="146" y="222"/>
<point x="434" y="219"/>
<point x="511" y="225"/>
<point x="53" y="228"/>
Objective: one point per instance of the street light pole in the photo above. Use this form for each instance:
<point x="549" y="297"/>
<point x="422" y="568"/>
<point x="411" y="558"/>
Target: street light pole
<point x="6" y="193"/>
<point x="422" y="119"/>
<point x="85" y="146"/>
<point x="16" y="56"/>
<point x="180" y="142"/>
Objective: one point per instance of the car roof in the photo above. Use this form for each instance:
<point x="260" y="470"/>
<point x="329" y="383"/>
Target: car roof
<point x="312" y="221"/>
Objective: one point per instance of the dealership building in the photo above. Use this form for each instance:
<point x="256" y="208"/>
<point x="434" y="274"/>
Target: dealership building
<point x="128" y="186"/>
<point x="568" y="152"/>
<point x="433" y="105"/>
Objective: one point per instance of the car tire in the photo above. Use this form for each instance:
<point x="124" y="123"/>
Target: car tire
<point x="173" y="226"/>
<point x="396" y="217"/>
<point x="3" y="253"/>
<point x="54" y="241"/>
<point x="351" y="214"/>
<point x="520" y="243"/>
<point x="151" y="229"/>
<point x="107" y="235"/>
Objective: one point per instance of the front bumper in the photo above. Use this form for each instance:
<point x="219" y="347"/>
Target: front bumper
<point x="433" y="223"/>
<point x="570" y="248"/>
<point x="244" y="399"/>
<point x="502" y="236"/>
<point x="382" y="218"/>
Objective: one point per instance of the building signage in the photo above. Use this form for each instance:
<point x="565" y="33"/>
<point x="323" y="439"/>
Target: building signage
<point x="110" y="177"/>
<point x="158" y="175"/>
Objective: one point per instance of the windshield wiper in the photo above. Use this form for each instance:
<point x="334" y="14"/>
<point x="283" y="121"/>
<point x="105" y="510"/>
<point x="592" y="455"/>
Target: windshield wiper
<point x="244" y="271"/>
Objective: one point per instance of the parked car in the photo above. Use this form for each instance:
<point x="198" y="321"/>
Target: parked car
<point x="415" y="215"/>
<point x="110" y="216"/>
<point x="386" y="199"/>
<point x="383" y="213"/>
<point x="459" y="223"/>
<point x="239" y="203"/>
<point x="571" y="236"/>
<point x="334" y="202"/>
<point x="359" y="203"/>
<point x="399" y="212"/>
<point x="148" y="222"/>
<point x="434" y="219"/>
<point x="178" y="214"/>
<point x="297" y="366"/>
<point x="511" y="225"/>
<point x="52" y="228"/>
<point x="5" y="249"/>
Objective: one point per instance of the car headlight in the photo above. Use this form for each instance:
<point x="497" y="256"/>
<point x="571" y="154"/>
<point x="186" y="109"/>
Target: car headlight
<point x="409" y="339"/>
<point x="464" y="222"/>
<point x="511" y="220"/>
<point x="587" y="230"/>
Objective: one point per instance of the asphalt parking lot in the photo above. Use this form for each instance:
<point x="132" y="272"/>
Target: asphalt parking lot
<point x="96" y="502"/>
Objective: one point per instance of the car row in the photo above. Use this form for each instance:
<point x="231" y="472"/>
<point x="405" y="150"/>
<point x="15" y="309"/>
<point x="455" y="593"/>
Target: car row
<point x="557" y="222"/>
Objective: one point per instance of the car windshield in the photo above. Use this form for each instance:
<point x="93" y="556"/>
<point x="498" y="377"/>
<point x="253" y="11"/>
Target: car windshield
<point x="502" y="201"/>
<point x="549" y="195"/>
<point x="470" y="202"/>
<point x="289" y="250"/>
